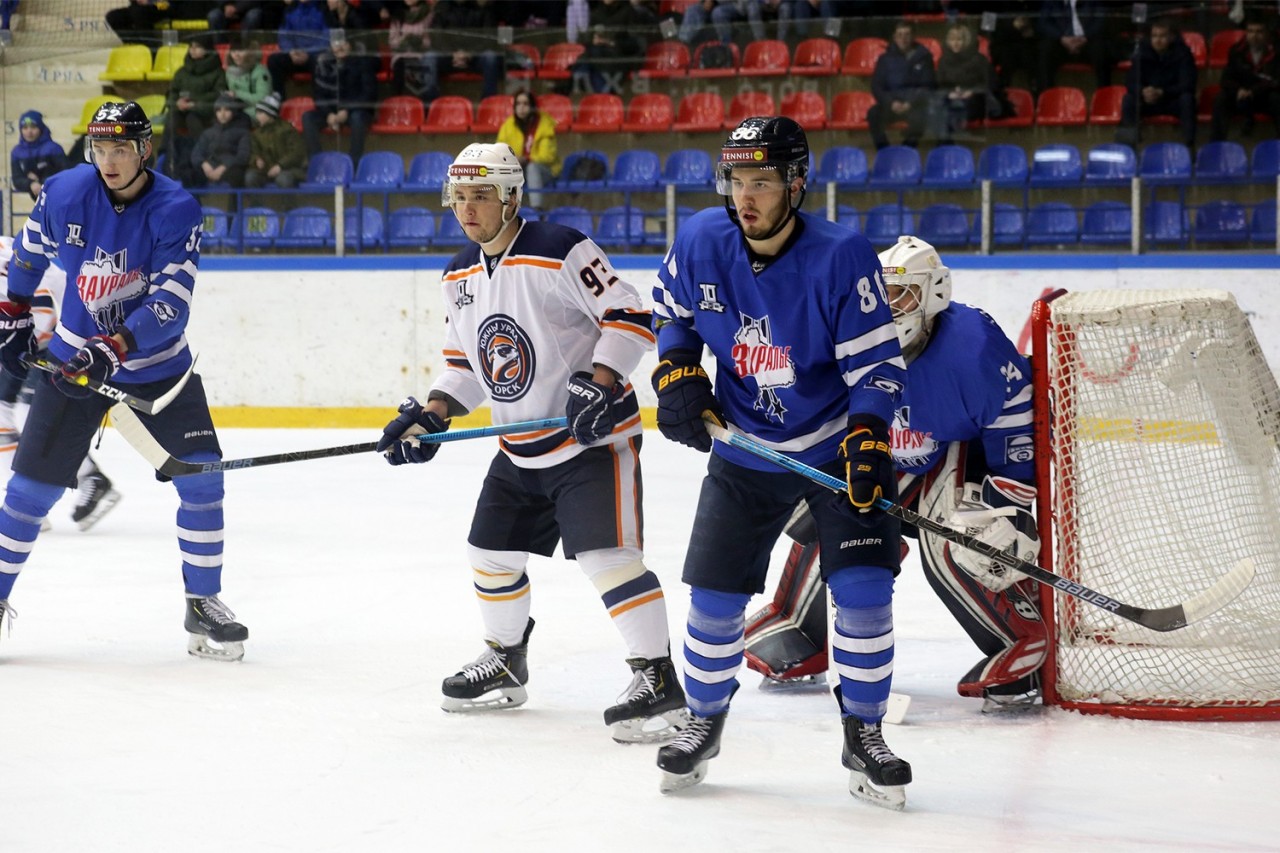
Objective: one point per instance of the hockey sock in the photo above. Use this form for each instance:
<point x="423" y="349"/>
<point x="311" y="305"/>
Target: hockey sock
<point x="713" y="648"/>
<point x="200" y="528"/>
<point x="863" y="643"/>
<point x="26" y="503"/>
<point x="633" y="596"/>
<point x="503" y="590"/>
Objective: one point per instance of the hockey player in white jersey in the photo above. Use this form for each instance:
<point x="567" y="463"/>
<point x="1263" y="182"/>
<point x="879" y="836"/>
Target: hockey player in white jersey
<point x="962" y="445"/>
<point x="540" y="325"/>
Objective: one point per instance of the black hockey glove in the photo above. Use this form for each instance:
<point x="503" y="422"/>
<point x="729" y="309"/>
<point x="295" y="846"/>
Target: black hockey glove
<point x="98" y="360"/>
<point x="590" y="408"/>
<point x="684" y="397"/>
<point x="868" y="463"/>
<point x="17" y="337"/>
<point x="398" y="444"/>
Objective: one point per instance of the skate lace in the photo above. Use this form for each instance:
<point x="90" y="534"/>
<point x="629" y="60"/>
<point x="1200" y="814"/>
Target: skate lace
<point x="486" y="666"/>
<point x="216" y="611"/>
<point x="6" y="609"/>
<point x="90" y="487"/>
<point x="641" y="686"/>
<point x="872" y="740"/>
<point x="692" y="735"/>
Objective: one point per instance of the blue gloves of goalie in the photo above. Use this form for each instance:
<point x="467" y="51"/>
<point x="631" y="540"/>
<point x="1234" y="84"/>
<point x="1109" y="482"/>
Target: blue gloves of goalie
<point x="684" y="398"/>
<point x="398" y="444"/>
<point x="590" y="408"/>
<point x="98" y="360"/>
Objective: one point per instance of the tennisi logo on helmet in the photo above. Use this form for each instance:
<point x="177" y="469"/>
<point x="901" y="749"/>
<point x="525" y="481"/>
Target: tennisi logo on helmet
<point x="466" y="170"/>
<point x="742" y="155"/>
<point x="106" y="129"/>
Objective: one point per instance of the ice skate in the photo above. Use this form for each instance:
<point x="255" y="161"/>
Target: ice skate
<point x="815" y="682"/>
<point x="214" y="633"/>
<point x="652" y="708"/>
<point x="684" y="760"/>
<point x="95" y="497"/>
<point x="875" y="773"/>
<point x="495" y="680"/>
<point x="1011" y="703"/>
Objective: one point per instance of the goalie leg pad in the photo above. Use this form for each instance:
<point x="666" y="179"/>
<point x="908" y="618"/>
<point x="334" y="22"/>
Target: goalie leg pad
<point x="787" y="638"/>
<point x="1014" y="667"/>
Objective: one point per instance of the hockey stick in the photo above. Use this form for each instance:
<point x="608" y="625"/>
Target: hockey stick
<point x="147" y="407"/>
<point x="129" y="426"/>
<point x="1200" y="605"/>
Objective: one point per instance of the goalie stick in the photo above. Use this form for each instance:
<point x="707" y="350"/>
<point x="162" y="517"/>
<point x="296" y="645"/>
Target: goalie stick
<point x="147" y="407"/>
<point x="130" y="426"/>
<point x="1224" y="590"/>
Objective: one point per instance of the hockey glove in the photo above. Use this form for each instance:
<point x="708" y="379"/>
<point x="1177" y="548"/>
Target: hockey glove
<point x="684" y="397"/>
<point x="1003" y="520"/>
<point x="98" y="360"/>
<point x="590" y="408"/>
<point x="868" y="463"/>
<point x="398" y="444"/>
<point x="17" y="337"/>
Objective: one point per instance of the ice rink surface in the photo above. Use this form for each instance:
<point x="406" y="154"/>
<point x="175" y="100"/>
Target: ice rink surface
<point x="353" y="580"/>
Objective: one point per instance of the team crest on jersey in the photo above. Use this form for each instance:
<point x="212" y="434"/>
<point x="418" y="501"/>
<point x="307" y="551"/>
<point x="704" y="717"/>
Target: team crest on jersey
<point x="507" y="358"/>
<point x="911" y="448"/>
<point x="464" y="297"/>
<point x="73" y="235"/>
<point x="709" y="301"/>
<point x="756" y="355"/>
<point x="164" y="312"/>
<point x="106" y="285"/>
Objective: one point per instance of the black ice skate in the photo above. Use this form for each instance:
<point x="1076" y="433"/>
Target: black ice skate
<point x="95" y="497"/>
<point x="214" y="632"/>
<point x="684" y="760"/>
<point x="495" y="680"/>
<point x="875" y="773"/>
<point x="652" y="708"/>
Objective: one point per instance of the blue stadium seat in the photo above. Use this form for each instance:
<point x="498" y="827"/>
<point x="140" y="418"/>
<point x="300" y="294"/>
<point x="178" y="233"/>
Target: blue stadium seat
<point x="449" y="233"/>
<point x="1107" y="222"/>
<point x="1221" y="162"/>
<point x="1008" y="227"/>
<point x="566" y="179"/>
<point x="896" y="166"/>
<point x="428" y="170"/>
<point x="378" y="170"/>
<point x="362" y="228"/>
<point x="944" y="225"/>
<point x="573" y="217"/>
<point x="214" y="227"/>
<point x="843" y="165"/>
<point x="1266" y="160"/>
<point x="530" y="214"/>
<point x="253" y="228"/>
<point x="1003" y="165"/>
<point x="411" y="227"/>
<point x="327" y="170"/>
<point x="688" y="167"/>
<point x="948" y="166"/>
<point x="1165" y="222"/>
<point x="1165" y="162"/>
<point x="886" y="222"/>
<point x="1056" y="165"/>
<point x="636" y="169"/>
<point x="1052" y="222"/>
<point x="1110" y="163"/>
<point x="1264" y="223"/>
<point x="847" y="215"/>
<point x="1222" y="221"/>
<point x="621" y="227"/>
<point x="306" y="228"/>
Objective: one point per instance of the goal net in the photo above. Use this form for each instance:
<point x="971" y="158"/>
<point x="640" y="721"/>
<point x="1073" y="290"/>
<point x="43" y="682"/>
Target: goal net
<point x="1162" y="417"/>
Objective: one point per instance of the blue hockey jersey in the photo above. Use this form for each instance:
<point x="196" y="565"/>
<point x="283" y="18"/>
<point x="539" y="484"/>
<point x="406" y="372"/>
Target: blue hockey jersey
<point x="799" y="346"/>
<point x="969" y="384"/>
<point x="131" y="268"/>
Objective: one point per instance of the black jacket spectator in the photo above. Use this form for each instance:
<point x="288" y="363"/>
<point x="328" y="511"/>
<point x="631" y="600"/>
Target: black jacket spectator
<point x="1073" y="31"/>
<point x="345" y="91"/>
<point x="903" y="83"/>
<point x="1161" y="81"/>
<point x="1250" y="82"/>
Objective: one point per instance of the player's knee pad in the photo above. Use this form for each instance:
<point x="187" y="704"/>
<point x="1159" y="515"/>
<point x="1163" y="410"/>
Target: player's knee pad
<point x="497" y="572"/>
<point x="863" y="596"/>
<point x="611" y="568"/>
<point x="200" y="490"/>
<point x="31" y="498"/>
<point x="715" y="612"/>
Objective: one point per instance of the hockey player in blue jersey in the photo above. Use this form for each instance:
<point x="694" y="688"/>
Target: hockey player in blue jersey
<point x="962" y="445"/>
<point x="807" y="362"/>
<point x="129" y="240"/>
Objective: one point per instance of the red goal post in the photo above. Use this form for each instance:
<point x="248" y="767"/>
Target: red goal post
<point x="1157" y="436"/>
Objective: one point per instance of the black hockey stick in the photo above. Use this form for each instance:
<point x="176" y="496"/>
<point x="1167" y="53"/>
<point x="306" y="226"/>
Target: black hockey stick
<point x="147" y="407"/>
<point x="129" y="426"/>
<point x="1224" y="590"/>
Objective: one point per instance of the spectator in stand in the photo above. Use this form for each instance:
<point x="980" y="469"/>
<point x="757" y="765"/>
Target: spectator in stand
<point x="800" y="14"/>
<point x="1073" y="31"/>
<point x="136" y="22"/>
<point x="195" y="87"/>
<point x="251" y="16"/>
<point x="721" y="15"/>
<point x="1161" y="81"/>
<point x="36" y="156"/>
<point x="277" y="152"/>
<point x="1250" y="82"/>
<point x="222" y="152"/>
<point x="967" y="86"/>
<point x="355" y="21"/>
<point x="247" y="77"/>
<point x="903" y="83"/>
<point x="532" y="136"/>
<point x="303" y="36"/>
<point x="345" y="91"/>
<point x="463" y="39"/>
<point x="620" y="32"/>
<point x="1015" y="45"/>
<point x="408" y="40"/>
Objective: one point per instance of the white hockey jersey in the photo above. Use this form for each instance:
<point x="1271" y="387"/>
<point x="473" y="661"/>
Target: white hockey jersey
<point x="550" y="306"/>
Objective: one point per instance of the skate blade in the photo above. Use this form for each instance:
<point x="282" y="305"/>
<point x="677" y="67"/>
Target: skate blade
<point x="802" y="684"/>
<point x="672" y="782"/>
<point x="494" y="700"/>
<point x="200" y="646"/>
<point x="892" y="797"/>
<point x="659" y="729"/>
<point x="108" y="502"/>
<point x="1018" y="705"/>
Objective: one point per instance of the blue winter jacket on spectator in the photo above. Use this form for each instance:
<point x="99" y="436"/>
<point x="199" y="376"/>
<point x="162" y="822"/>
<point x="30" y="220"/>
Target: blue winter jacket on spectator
<point x="903" y="77"/>
<point x="41" y="158"/>
<point x="304" y="27"/>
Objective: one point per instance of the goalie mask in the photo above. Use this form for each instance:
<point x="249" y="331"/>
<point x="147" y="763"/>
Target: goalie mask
<point x="765" y="142"/>
<point x="485" y="164"/>
<point x="919" y="288"/>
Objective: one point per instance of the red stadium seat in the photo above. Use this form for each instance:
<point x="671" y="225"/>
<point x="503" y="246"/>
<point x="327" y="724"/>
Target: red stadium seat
<point x="599" y="113"/>
<point x="448" y="114"/>
<point x="932" y="45"/>
<point x="849" y="110"/>
<point x="559" y="107"/>
<point x="649" y="113"/>
<point x="524" y="67"/>
<point x="699" y="111"/>
<point x="747" y="104"/>
<point x="807" y="108"/>
<point x="491" y="112"/>
<point x="400" y="114"/>
<point x="1104" y="105"/>
<point x="557" y="59"/>
<point x="731" y="70"/>
<point x="861" y="55"/>
<point x="1061" y="106"/>
<point x="767" y="58"/>
<point x="665" y="60"/>
<point x="293" y="108"/>
<point x="818" y="57"/>
<point x="1220" y="46"/>
<point x="1023" y="110"/>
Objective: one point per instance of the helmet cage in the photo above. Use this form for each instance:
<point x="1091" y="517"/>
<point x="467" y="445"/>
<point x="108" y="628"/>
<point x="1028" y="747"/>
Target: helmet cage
<point x="922" y="296"/>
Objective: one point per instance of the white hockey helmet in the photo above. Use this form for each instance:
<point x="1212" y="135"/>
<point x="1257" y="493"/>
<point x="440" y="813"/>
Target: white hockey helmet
<point x="485" y="164"/>
<point x="913" y="265"/>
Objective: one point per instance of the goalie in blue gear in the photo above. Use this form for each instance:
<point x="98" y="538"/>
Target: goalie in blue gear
<point x="963" y="451"/>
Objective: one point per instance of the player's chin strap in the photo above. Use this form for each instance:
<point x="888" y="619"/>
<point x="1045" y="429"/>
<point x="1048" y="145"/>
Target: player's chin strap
<point x="791" y="212"/>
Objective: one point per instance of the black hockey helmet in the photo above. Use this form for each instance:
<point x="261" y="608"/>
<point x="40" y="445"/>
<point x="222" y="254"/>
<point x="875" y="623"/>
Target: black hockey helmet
<point x="764" y="141"/>
<point x="125" y="121"/>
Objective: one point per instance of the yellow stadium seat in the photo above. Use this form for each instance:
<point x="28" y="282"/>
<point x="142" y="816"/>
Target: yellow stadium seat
<point x="86" y="114"/>
<point x="153" y="106"/>
<point x="127" y="62"/>
<point x="168" y="60"/>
